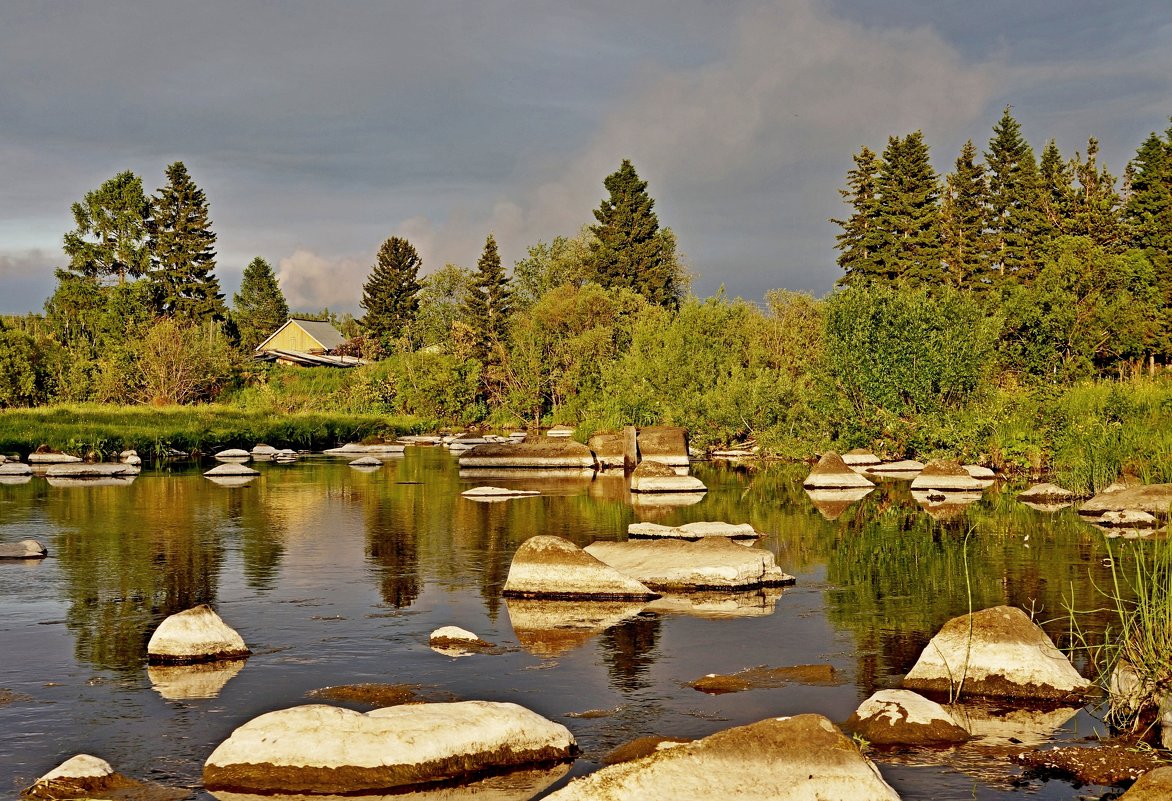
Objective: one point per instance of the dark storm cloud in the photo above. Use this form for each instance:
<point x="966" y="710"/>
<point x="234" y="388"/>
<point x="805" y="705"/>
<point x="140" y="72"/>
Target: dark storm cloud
<point x="317" y="130"/>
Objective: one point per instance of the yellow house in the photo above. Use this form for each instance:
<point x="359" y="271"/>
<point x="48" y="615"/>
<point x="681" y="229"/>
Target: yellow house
<point x="306" y="343"/>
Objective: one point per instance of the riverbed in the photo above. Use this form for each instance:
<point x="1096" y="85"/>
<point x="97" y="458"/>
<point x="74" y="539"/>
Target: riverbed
<point x="335" y="576"/>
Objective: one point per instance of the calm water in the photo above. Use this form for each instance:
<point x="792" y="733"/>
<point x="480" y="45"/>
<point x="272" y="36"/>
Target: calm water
<point x="333" y="576"/>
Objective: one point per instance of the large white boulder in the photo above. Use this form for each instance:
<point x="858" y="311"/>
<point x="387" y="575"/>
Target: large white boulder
<point x="945" y="474"/>
<point x="802" y="758"/>
<point x="902" y="717"/>
<point x="832" y="472"/>
<point x="194" y="635"/>
<point x="714" y="563"/>
<point x="552" y="567"/>
<point x="1005" y="655"/>
<point x="656" y="477"/>
<point x="693" y="531"/>
<point x="327" y="749"/>
<point x="25" y="549"/>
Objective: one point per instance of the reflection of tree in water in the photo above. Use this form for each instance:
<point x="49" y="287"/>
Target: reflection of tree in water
<point x="132" y="556"/>
<point x="391" y="534"/>
<point x="261" y="536"/>
<point x="629" y="650"/>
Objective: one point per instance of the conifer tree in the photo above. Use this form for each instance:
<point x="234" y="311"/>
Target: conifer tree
<point x="111" y="232"/>
<point x="630" y="250"/>
<point x="489" y="301"/>
<point x="259" y="306"/>
<point x="858" y="243"/>
<point x="390" y="294"/>
<point x="1148" y="211"/>
<point x="1095" y="210"/>
<point x="1015" y="220"/>
<point x="909" y="213"/>
<point x="963" y="218"/>
<point x="182" y="258"/>
<point x="1056" y="193"/>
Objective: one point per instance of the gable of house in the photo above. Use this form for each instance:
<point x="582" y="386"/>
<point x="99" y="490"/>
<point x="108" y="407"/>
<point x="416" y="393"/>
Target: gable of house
<point x="303" y="336"/>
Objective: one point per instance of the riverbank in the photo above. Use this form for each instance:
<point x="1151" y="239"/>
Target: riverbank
<point x="105" y="430"/>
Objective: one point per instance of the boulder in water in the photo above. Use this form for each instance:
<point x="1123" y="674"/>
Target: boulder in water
<point x="947" y="475"/>
<point x="832" y="472"/>
<point x="902" y="717"/>
<point x="713" y="563"/>
<point x="551" y="567"/>
<point x="25" y="549"/>
<point x="194" y="635"/>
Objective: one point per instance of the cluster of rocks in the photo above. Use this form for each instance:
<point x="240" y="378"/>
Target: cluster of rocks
<point x="65" y="470"/>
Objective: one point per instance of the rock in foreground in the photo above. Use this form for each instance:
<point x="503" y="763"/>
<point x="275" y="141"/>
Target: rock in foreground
<point x="803" y="758"/>
<point x="194" y="635"/>
<point x="714" y="563"/>
<point x="552" y="567"/>
<point x="832" y="472"/>
<point x="85" y="776"/>
<point x="1008" y="656"/>
<point x="901" y="717"/>
<point x="25" y="549"/>
<point x="1155" y="785"/>
<point x="326" y="749"/>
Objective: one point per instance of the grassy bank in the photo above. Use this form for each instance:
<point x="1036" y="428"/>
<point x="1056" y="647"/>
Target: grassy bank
<point x="106" y="430"/>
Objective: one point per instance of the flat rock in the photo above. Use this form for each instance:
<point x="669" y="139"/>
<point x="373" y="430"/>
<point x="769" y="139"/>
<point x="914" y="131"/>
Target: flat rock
<point x="194" y="635"/>
<point x="1007" y="656"/>
<point x="802" y="758"/>
<point x="713" y="563"/>
<point x="901" y="466"/>
<point x="52" y="457"/>
<point x="541" y="453"/>
<point x="15" y="469"/>
<point x="231" y="469"/>
<point x="233" y="453"/>
<point x="832" y="472"/>
<point x="1155" y="785"/>
<point x="692" y="531"/>
<point x="1126" y="518"/>
<point x="946" y="474"/>
<point x="366" y="461"/>
<point x="552" y="567"/>
<point x="326" y="749"/>
<point x="980" y="472"/>
<point x="664" y="444"/>
<point x="859" y="457"/>
<point x="95" y="470"/>
<point x="901" y="717"/>
<point x="1046" y="493"/>
<point x="1154" y="499"/>
<point x="498" y="492"/>
<point x="25" y="549"/>
<point x="86" y="776"/>
<point x="656" y="477"/>
<point x="763" y="677"/>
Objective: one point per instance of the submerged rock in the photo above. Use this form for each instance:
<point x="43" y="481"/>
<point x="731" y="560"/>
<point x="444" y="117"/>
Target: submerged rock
<point x="901" y="717"/>
<point x="714" y="563"/>
<point x="25" y="549"/>
<point x="656" y="477"/>
<point x="693" y="531"/>
<point x="1006" y="655"/>
<point x="85" y="776"/>
<point x="801" y="758"/>
<point x="766" y="677"/>
<point x="366" y="461"/>
<point x="551" y="567"/>
<point x="326" y="749"/>
<point x="380" y="695"/>
<point x="1111" y="764"/>
<point x="495" y="493"/>
<point x="832" y="472"/>
<point x="194" y="635"/>
<point x="946" y="474"/>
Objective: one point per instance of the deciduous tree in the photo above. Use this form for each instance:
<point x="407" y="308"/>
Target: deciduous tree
<point x="111" y="228"/>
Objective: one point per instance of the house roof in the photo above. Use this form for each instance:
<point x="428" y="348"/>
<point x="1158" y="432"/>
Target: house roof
<point x="322" y="332"/>
<point x="309" y="359"/>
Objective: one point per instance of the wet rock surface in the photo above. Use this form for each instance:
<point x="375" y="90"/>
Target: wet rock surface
<point x="85" y="776"/>
<point x="641" y="747"/>
<point x="1113" y="764"/>
<point x="380" y="695"/>
<point x="900" y="717"/>
<point x="25" y="549"/>
<point x="761" y="677"/>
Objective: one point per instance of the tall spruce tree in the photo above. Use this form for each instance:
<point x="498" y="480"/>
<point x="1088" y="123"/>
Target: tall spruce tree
<point x="390" y="294"/>
<point x="1015" y="215"/>
<point x="909" y="213"/>
<point x="1056" y="191"/>
<point x="259" y="308"/>
<point x="1096" y="207"/>
<point x="181" y="247"/>
<point x="629" y="249"/>
<point x="859" y="241"/>
<point x="488" y="303"/>
<point x="963" y="219"/>
<point x="1148" y="210"/>
<point x="111" y="230"/>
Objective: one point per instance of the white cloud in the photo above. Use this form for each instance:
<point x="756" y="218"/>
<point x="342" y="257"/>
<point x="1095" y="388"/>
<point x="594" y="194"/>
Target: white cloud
<point x="311" y="281"/>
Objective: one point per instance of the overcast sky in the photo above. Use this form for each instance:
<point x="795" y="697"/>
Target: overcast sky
<point x="318" y="129"/>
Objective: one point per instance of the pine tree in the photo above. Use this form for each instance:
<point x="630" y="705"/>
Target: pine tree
<point x="859" y="241"/>
<point x="259" y="306"/>
<point x="1055" y="193"/>
<point x="390" y="294"/>
<point x="963" y="219"/>
<point x="182" y="258"/>
<point x="909" y="213"/>
<point x="111" y="232"/>
<point x="489" y="302"/>
<point x="630" y="250"/>
<point x="1015" y="220"/>
<point x="1096" y="207"/>
<point x="1148" y="211"/>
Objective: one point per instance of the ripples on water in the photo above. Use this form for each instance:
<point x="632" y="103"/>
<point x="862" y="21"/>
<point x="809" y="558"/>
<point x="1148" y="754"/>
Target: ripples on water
<point x="335" y="577"/>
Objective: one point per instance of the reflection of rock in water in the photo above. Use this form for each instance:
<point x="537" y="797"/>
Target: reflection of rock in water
<point x="656" y="500"/>
<point x="945" y="505"/>
<point x="629" y="649"/>
<point x="103" y="481"/>
<point x="550" y="628"/>
<point x="519" y="785"/>
<point x="1011" y="726"/>
<point x="831" y="503"/>
<point x="755" y="603"/>
<point x="180" y="682"/>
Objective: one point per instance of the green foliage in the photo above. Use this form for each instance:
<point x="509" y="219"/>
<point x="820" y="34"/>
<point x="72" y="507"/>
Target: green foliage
<point x="438" y="385"/>
<point x="390" y="294"/>
<point x="1148" y="211"/>
<point x="909" y="221"/>
<point x="443" y="296"/>
<point x="181" y="250"/>
<point x="26" y="377"/>
<point x="177" y="363"/>
<point x="562" y="262"/>
<point x="1015" y="210"/>
<point x="859" y="242"/>
<point x="629" y="249"/>
<point x="488" y="301"/>
<point x="963" y="223"/>
<point x="110" y="235"/>
<point x="259" y="308"/>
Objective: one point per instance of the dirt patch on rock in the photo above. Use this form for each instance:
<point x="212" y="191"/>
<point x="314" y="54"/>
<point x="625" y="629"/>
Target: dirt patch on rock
<point x="380" y="695"/>
<point x="762" y="677"/>
<point x="1113" y="764"/>
<point x="637" y="749"/>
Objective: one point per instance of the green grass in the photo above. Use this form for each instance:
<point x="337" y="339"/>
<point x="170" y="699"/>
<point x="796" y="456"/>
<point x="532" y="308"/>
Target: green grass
<point x="105" y="430"/>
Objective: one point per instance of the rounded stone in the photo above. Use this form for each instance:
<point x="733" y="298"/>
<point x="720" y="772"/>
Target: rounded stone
<point x="901" y="717"/>
<point x="194" y="635"/>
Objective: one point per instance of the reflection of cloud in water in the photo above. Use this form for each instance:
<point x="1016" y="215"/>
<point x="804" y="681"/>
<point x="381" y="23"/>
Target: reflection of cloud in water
<point x="831" y="503"/>
<point x="757" y="603"/>
<point x="180" y="682"/>
<point x="551" y="628"/>
<point x="518" y="785"/>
